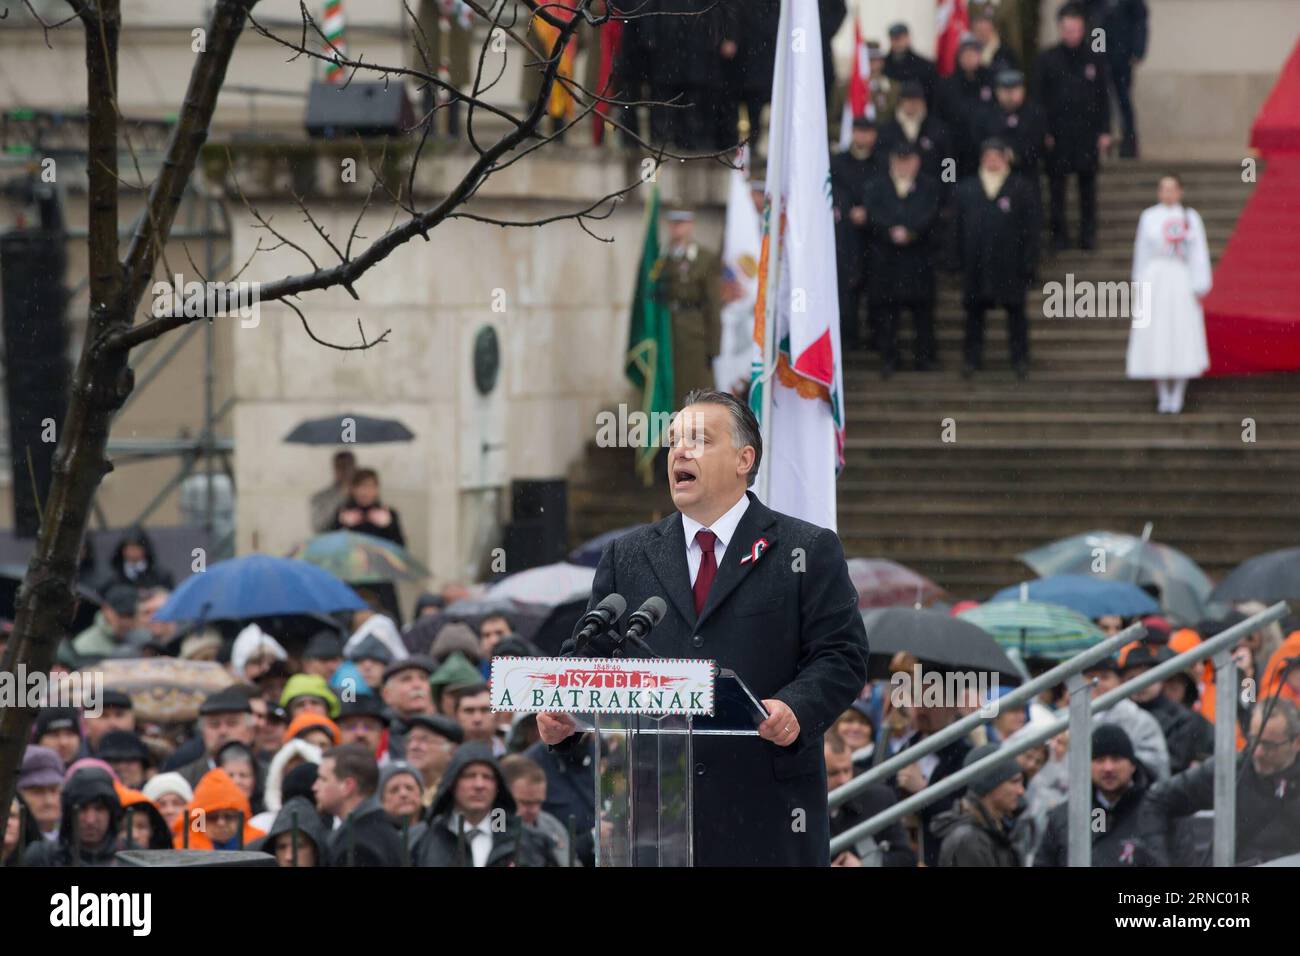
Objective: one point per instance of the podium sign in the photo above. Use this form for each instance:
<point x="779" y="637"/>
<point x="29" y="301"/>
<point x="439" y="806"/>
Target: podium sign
<point x="603" y="685"/>
<point x="640" y="716"/>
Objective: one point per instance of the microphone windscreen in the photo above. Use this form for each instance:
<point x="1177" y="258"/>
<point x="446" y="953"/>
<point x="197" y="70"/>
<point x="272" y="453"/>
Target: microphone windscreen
<point x="655" y="608"/>
<point x="615" y="604"/>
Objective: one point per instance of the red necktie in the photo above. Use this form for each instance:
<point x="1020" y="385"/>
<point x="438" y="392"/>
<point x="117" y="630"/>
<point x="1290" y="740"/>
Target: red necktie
<point x="708" y="567"/>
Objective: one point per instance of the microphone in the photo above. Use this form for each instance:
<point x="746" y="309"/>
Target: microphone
<point x="598" y="620"/>
<point x="643" y="621"/>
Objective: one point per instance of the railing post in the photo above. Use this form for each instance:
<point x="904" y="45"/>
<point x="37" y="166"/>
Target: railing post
<point x="1225" y="757"/>
<point x="1080" y="770"/>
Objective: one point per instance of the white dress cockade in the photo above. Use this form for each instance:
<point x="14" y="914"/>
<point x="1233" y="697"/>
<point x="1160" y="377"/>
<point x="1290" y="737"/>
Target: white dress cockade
<point x="1171" y="267"/>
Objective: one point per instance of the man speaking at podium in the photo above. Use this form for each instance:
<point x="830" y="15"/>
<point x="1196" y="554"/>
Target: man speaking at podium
<point x="782" y="614"/>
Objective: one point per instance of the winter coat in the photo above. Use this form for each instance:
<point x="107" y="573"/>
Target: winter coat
<point x="390" y="532"/>
<point x="933" y="141"/>
<point x="83" y="787"/>
<point x="1072" y="84"/>
<point x="301" y="813"/>
<point x="951" y="758"/>
<point x="891" y="842"/>
<point x="152" y="576"/>
<point x="1024" y="131"/>
<point x="961" y="102"/>
<point x="135" y="802"/>
<point x="514" y="845"/>
<point x="998" y="239"/>
<point x="1188" y="735"/>
<point x="901" y="273"/>
<point x="367" y="838"/>
<point x="1116" y="843"/>
<point x="214" y="792"/>
<point x="970" y="837"/>
<point x="1268" y="810"/>
<point x="570" y="792"/>
<point x="912" y="66"/>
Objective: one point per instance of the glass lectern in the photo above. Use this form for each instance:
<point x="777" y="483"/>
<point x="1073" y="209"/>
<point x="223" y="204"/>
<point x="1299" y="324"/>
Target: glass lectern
<point x="645" y="778"/>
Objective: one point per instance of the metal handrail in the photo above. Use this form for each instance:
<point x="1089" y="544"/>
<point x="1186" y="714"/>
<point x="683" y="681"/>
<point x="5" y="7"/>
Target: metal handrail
<point x="1021" y="695"/>
<point x="1220" y="646"/>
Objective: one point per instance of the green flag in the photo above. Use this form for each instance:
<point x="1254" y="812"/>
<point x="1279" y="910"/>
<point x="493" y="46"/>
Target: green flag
<point x="650" y="345"/>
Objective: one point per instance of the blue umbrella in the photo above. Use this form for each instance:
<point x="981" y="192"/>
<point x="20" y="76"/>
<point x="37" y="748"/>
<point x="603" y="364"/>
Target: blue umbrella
<point x="1093" y="597"/>
<point x="258" y="585"/>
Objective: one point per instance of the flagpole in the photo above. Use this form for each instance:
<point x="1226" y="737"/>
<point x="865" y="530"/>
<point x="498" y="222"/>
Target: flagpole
<point x="776" y="140"/>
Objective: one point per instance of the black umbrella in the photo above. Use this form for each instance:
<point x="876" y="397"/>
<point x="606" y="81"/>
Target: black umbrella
<point x="348" y="428"/>
<point x="947" y="643"/>
<point x="11" y="577"/>
<point x="1270" y="577"/>
<point x="559" y="625"/>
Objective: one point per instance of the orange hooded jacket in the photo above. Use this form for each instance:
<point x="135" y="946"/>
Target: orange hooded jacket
<point x="216" y="791"/>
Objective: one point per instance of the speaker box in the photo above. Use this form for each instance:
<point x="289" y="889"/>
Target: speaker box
<point x="32" y="301"/>
<point x="358" y="109"/>
<point x="531" y="543"/>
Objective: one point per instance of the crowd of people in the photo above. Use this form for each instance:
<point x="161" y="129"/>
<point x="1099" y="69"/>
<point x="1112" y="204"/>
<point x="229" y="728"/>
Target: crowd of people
<point x="1152" y="765"/>
<point x="375" y="749"/>
<point x="945" y="173"/>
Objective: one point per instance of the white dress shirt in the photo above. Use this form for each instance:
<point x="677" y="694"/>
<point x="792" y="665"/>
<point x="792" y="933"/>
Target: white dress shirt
<point x="724" y="528"/>
<point x="478" y="837"/>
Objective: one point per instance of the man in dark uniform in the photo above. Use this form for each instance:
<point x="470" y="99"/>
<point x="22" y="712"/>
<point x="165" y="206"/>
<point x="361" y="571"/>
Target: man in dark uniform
<point x="994" y="54"/>
<point x="961" y="101"/>
<point x="1071" y="81"/>
<point x="901" y="214"/>
<point x="903" y="64"/>
<point x="794" y="636"/>
<point x="750" y="54"/>
<point x="1020" y="124"/>
<point x="852" y="172"/>
<point x="690" y="283"/>
<point x="710" y="116"/>
<point x="997" y="226"/>
<point x="914" y="124"/>
<point x="1125" y="23"/>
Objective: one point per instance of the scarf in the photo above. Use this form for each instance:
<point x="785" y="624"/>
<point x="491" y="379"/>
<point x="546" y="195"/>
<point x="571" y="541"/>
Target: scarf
<point x="911" y="125"/>
<point x="992" y="182"/>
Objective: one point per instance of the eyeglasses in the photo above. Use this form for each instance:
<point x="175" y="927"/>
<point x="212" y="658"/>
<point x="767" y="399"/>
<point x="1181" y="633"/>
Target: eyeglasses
<point x="1272" y="746"/>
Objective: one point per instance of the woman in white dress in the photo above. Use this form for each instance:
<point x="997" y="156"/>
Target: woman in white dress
<point x="1171" y="275"/>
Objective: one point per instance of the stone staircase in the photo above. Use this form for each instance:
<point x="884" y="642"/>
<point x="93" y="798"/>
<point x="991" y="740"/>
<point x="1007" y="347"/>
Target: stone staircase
<point x="1075" y="447"/>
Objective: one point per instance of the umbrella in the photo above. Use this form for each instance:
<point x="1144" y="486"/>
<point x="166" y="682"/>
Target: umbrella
<point x="525" y="619"/>
<point x="1033" y="629"/>
<point x="549" y="584"/>
<point x="1270" y="577"/>
<point x="358" y="429"/>
<point x="883" y="583"/>
<point x="11" y="577"/>
<point x="588" y="553"/>
<point x="559" y="625"/>
<point x="1091" y="596"/>
<point x="166" y="690"/>
<point x="258" y="585"/>
<point x="1184" y="587"/>
<point x="360" y="558"/>
<point x="934" y="637"/>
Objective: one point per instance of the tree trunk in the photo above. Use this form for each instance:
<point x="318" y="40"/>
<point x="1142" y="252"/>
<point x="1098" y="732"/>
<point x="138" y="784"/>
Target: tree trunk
<point x="103" y="378"/>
